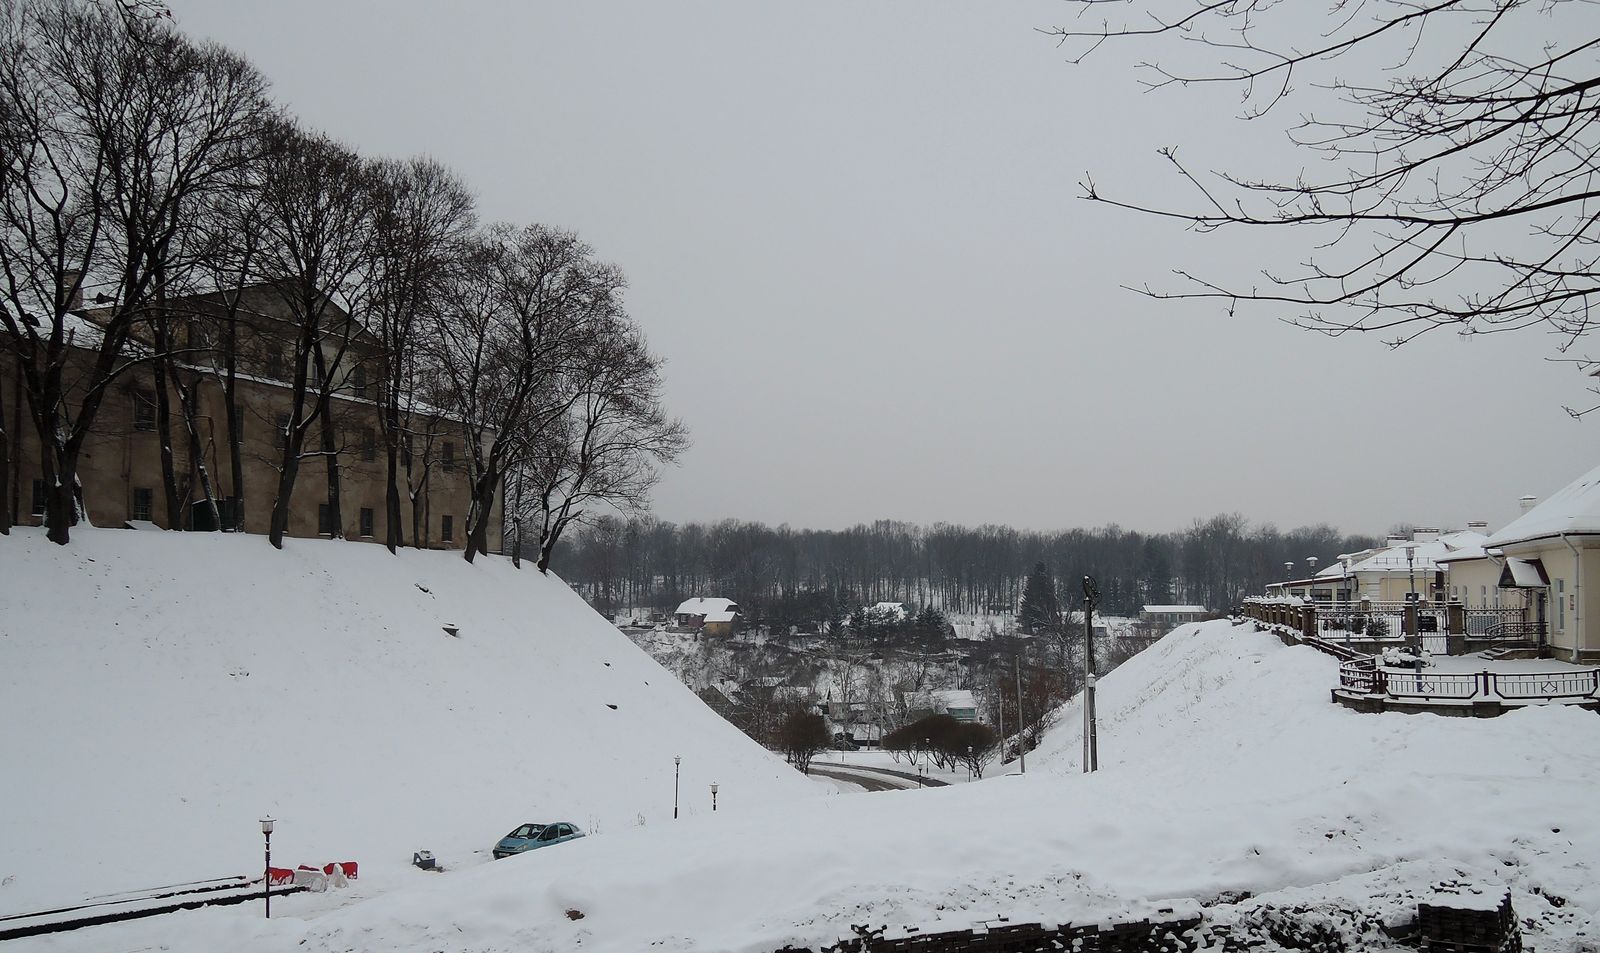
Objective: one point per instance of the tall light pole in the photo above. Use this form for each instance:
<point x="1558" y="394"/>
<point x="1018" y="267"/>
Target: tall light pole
<point x="266" y="872"/>
<point x="1091" y="744"/>
<point x="713" y="797"/>
<point x="1022" y="738"/>
<point x="677" y="761"/>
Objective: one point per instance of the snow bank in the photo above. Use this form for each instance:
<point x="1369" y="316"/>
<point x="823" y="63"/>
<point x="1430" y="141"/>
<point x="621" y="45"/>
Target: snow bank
<point x="160" y="692"/>
<point x="1225" y="768"/>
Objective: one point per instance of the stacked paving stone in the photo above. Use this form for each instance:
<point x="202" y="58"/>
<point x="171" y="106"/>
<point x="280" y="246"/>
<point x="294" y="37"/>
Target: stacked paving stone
<point x="1458" y="924"/>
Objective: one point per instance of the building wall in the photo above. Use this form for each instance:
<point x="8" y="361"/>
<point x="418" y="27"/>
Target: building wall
<point x="122" y="458"/>
<point x="1573" y="610"/>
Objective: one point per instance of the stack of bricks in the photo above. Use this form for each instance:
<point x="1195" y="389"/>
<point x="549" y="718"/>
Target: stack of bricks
<point x="1451" y="925"/>
<point x="1180" y="933"/>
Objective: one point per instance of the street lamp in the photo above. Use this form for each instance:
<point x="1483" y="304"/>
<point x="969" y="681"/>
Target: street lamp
<point x="266" y="872"/>
<point x="713" y="797"/>
<point x="677" y="761"/>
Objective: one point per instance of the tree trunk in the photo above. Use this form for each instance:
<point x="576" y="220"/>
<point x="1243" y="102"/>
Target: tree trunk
<point x="230" y="401"/>
<point x="286" y="478"/>
<point x="482" y="509"/>
<point x="330" y="452"/>
<point x="169" y="470"/>
<point x="188" y="399"/>
<point x="5" y="472"/>
<point x="394" y="537"/>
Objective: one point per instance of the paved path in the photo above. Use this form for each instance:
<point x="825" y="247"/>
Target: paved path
<point x="863" y="781"/>
<point x="926" y="781"/>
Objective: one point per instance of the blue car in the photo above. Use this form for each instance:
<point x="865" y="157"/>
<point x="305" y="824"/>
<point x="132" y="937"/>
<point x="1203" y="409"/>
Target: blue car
<point x="533" y="836"/>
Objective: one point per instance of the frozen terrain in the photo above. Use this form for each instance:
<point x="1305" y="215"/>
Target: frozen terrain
<point x="160" y="692"/>
<point x="1224" y="769"/>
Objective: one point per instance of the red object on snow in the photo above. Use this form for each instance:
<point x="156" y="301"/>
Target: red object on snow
<point x="279" y="876"/>
<point x="305" y="867"/>
<point x="346" y="867"/>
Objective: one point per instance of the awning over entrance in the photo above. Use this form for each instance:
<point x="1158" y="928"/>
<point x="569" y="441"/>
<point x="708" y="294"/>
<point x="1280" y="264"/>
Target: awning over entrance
<point x="1523" y="574"/>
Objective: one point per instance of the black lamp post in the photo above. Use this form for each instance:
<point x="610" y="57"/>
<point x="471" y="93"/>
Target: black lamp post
<point x="677" y="761"/>
<point x="266" y="872"/>
<point x="713" y="797"/>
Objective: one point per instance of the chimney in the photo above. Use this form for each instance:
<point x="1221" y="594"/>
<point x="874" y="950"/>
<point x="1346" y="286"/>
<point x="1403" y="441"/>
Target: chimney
<point x="72" y="285"/>
<point x="1528" y="502"/>
<point x="1394" y="540"/>
<point x="1478" y="526"/>
<point x="1424" y="534"/>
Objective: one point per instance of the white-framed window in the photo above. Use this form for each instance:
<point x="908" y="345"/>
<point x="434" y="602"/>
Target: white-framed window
<point x="1561" y="605"/>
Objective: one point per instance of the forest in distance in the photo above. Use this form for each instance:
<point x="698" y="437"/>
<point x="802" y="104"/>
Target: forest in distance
<point x="783" y="576"/>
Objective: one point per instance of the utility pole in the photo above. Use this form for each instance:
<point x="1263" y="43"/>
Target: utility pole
<point x="1091" y="746"/>
<point x="1022" y="741"/>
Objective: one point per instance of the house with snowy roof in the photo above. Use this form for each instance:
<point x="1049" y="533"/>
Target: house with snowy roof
<point x="1552" y="552"/>
<point x="711" y="615"/>
<point x="1394" y="572"/>
<point x="958" y="703"/>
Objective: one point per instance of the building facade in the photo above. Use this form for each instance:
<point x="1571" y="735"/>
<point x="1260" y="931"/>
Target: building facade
<point x="121" y="469"/>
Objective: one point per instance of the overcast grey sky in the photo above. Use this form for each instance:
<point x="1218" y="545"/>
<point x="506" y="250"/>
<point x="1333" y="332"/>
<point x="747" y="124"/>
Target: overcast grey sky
<point x="853" y="231"/>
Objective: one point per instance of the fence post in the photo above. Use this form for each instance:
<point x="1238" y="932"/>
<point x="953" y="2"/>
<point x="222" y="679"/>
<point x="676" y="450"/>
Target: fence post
<point x="1308" y="622"/>
<point x="1408" y="625"/>
<point x="1455" y="619"/>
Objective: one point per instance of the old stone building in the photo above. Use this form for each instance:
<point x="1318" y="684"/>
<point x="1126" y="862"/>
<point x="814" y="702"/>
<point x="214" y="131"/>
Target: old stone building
<point x="120" y="470"/>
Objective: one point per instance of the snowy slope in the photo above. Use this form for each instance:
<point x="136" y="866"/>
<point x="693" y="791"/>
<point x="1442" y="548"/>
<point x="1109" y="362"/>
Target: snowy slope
<point x="1225" y="769"/>
<point x="160" y="692"/>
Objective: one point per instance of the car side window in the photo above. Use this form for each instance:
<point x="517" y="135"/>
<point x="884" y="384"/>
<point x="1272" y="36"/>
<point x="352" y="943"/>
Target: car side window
<point x="551" y="832"/>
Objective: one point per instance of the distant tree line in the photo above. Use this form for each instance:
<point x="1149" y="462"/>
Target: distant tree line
<point x="146" y="168"/>
<point x="784" y="576"/>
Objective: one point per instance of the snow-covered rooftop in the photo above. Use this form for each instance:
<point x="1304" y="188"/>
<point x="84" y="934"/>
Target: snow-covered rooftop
<point x="1575" y="508"/>
<point x="704" y="605"/>
<point x="721" y="615"/>
<point x="1423" y="556"/>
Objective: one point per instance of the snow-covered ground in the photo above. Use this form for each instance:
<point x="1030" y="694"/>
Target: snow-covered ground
<point x="160" y="692"/>
<point x="1224" y="768"/>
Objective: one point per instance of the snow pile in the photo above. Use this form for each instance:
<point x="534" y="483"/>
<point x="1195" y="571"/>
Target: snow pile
<point x="1225" y="770"/>
<point x="160" y="692"/>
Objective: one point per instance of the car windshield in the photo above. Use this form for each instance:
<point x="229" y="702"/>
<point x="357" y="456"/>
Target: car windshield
<point x="527" y="830"/>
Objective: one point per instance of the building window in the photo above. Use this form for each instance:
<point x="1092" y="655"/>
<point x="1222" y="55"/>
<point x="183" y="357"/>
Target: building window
<point x="325" y="519"/>
<point x="144" y="503"/>
<point x="447" y="529"/>
<point x="275" y="363"/>
<point x="144" y="410"/>
<point x="405" y="452"/>
<point x="358" y="380"/>
<point x="38" y="498"/>
<point x="238" y="423"/>
<point x="199" y="335"/>
<point x="1561" y="605"/>
<point x="281" y="421"/>
<point x="366" y="521"/>
<point x="448" y="456"/>
<point x="369" y="444"/>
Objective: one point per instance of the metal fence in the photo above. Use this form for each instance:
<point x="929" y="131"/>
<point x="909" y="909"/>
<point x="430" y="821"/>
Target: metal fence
<point x="1367" y="677"/>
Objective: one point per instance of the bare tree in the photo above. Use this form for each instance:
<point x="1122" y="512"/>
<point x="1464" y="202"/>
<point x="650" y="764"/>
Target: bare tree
<point x="316" y="205"/>
<point x="606" y="451"/>
<point x="110" y="126"/>
<point x="423" y="216"/>
<point x="1452" y="165"/>
<point x="520" y="311"/>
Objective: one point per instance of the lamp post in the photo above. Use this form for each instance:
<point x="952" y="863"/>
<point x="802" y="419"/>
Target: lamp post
<point x="1091" y="743"/>
<point x="713" y="797"/>
<point x="677" y="761"/>
<point x="266" y="872"/>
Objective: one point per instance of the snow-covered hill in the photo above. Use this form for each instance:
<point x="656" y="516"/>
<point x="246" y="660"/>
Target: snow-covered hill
<point x="160" y="692"/>
<point x="1225" y="768"/>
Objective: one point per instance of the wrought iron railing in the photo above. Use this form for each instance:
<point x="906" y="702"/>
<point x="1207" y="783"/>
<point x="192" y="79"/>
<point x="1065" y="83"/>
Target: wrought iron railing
<point x="1367" y="677"/>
